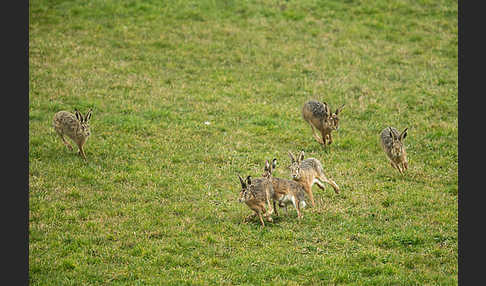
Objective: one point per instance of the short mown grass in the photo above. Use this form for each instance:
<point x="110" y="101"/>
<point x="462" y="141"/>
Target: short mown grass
<point x="186" y="95"/>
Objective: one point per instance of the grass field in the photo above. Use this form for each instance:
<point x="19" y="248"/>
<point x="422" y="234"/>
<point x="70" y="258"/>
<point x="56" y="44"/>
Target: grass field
<point x="186" y="95"/>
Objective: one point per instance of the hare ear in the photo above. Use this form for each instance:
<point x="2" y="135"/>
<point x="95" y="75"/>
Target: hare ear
<point x="78" y="115"/>
<point x="326" y="109"/>
<point x="292" y="158"/>
<point x="301" y="156"/>
<point x="392" y="134"/>
<point x="274" y="163"/>
<point x="267" y="165"/>
<point x="88" y="115"/>
<point x="339" y="109"/>
<point x="242" y="182"/>
<point x="404" y="134"/>
<point x="248" y="180"/>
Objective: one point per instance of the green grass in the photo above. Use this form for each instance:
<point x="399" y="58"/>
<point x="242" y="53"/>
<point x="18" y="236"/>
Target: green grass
<point x="156" y="202"/>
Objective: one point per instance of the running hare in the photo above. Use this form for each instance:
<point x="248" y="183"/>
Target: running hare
<point x="307" y="172"/>
<point x="319" y="116"/>
<point x="256" y="194"/>
<point x="75" y="126"/>
<point x="285" y="191"/>
<point x="392" y="144"/>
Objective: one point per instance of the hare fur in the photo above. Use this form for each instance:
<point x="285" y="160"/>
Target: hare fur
<point x="256" y="194"/>
<point x="285" y="191"/>
<point x="392" y="144"/>
<point x="307" y="172"/>
<point x="319" y="116"/>
<point x="75" y="126"/>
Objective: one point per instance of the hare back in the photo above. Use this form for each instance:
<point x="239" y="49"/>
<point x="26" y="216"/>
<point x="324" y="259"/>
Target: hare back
<point x="314" y="109"/>
<point x="284" y="187"/>
<point x="311" y="165"/>
<point x="65" y="116"/>
<point x="261" y="188"/>
<point x="66" y="122"/>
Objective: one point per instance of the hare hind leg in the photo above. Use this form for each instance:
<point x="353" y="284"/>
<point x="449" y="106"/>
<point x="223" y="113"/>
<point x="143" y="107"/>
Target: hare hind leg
<point x="69" y="146"/>
<point x="315" y="134"/>
<point x="319" y="184"/>
<point x="330" y="182"/>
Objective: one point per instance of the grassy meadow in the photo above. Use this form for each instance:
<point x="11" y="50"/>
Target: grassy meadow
<point x="186" y="95"/>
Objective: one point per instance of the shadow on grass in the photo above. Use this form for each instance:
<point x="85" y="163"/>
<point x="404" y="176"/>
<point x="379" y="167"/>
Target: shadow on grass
<point x="275" y="223"/>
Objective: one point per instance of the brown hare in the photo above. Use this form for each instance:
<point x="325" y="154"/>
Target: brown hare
<point x="256" y="194"/>
<point x="75" y="126"/>
<point x="307" y="172"/>
<point x="285" y="191"/>
<point x="319" y="116"/>
<point x="392" y="144"/>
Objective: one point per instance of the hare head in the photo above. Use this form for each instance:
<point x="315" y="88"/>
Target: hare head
<point x="294" y="167"/>
<point x="267" y="171"/>
<point x="84" y="122"/>
<point x="245" y="193"/>
<point x="332" y="119"/>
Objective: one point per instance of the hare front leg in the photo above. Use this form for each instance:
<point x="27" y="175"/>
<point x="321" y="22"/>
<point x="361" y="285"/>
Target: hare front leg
<point x="275" y="208"/>
<point x="261" y="218"/>
<point x="267" y="213"/>
<point x="297" y="207"/>
<point x="396" y="166"/>
<point x="81" y="151"/>
<point x="308" y="190"/>
<point x="249" y="217"/>
<point x="400" y="169"/>
<point x="269" y="204"/>
<point x="325" y="137"/>
<point x="329" y="137"/>
<point x="405" y="165"/>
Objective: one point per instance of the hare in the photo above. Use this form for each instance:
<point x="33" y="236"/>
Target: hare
<point x="75" y="126"/>
<point x="392" y="144"/>
<point x="285" y="191"/>
<point x="307" y="172"/>
<point x="319" y="116"/>
<point x="257" y="194"/>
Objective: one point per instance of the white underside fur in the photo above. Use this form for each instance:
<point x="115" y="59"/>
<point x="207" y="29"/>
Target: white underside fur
<point x="287" y="199"/>
<point x="302" y="204"/>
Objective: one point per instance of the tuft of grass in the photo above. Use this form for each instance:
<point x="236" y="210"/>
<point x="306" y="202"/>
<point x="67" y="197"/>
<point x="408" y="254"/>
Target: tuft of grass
<point x="186" y="95"/>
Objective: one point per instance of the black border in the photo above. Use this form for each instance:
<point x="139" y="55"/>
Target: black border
<point x="15" y="143"/>
<point x="470" y="144"/>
